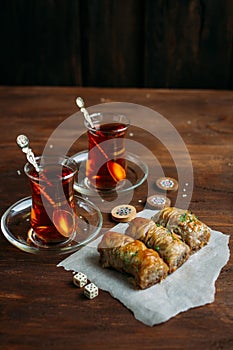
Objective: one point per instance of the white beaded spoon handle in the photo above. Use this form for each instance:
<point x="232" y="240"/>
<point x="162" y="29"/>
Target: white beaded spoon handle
<point x="80" y="104"/>
<point x="23" y="143"/>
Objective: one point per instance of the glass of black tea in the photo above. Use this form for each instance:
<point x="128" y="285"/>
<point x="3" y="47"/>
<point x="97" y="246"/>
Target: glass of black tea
<point x="53" y="212"/>
<point x="106" y="165"/>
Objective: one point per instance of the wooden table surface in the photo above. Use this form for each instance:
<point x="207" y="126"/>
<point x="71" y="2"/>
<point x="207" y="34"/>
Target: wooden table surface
<point x="39" y="306"/>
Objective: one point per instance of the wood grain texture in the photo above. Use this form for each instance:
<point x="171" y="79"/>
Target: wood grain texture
<point x="39" y="306"/>
<point x="117" y="43"/>
<point x="112" y="43"/>
<point x="40" y="43"/>
<point x="183" y="45"/>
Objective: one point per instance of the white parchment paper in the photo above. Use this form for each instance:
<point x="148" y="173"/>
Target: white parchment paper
<point x="192" y="285"/>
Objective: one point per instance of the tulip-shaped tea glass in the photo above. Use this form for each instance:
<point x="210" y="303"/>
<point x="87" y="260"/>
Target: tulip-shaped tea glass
<point x="53" y="212"/>
<point x="106" y="165"/>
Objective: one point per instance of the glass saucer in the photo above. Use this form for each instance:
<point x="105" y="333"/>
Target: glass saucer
<point x="15" y="225"/>
<point x="136" y="174"/>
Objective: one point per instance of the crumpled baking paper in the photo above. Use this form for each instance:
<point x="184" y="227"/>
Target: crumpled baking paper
<point x="192" y="285"/>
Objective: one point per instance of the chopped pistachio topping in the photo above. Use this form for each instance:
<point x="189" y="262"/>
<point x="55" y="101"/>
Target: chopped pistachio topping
<point x="183" y="217"/>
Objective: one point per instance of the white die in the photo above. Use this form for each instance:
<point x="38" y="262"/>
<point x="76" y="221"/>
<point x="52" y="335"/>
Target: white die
<point x="80" y="279"/>
<point x="91" y="291"/>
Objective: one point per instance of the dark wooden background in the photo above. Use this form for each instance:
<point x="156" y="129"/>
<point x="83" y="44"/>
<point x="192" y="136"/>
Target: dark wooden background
<point x="117" y="43"/>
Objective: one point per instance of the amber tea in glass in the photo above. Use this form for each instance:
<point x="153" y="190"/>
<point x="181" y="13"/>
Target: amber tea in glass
<point x="106" y="165"/>
<point x="53" y="213"/>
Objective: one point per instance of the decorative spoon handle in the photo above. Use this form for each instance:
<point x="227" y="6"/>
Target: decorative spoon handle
<point x="80" y="104"/>
<point x="23" y="142"/>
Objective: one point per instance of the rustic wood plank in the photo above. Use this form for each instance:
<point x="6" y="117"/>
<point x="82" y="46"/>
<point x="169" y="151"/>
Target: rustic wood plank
<point x="112" y="34"/>
<point x="188" y="44"/>
<point x="182" y="44"/>
<point x="40" y="43"/>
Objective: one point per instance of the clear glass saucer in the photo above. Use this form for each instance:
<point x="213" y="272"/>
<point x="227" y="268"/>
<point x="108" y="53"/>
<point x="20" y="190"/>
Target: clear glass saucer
<point x="15" y="225"/>
<point x="137" y="172"/>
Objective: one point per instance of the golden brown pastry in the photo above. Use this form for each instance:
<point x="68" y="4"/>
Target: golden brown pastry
<point x="169" y="246"/>
<point x="125" y="254"/>
<point x="184" y="223"/>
